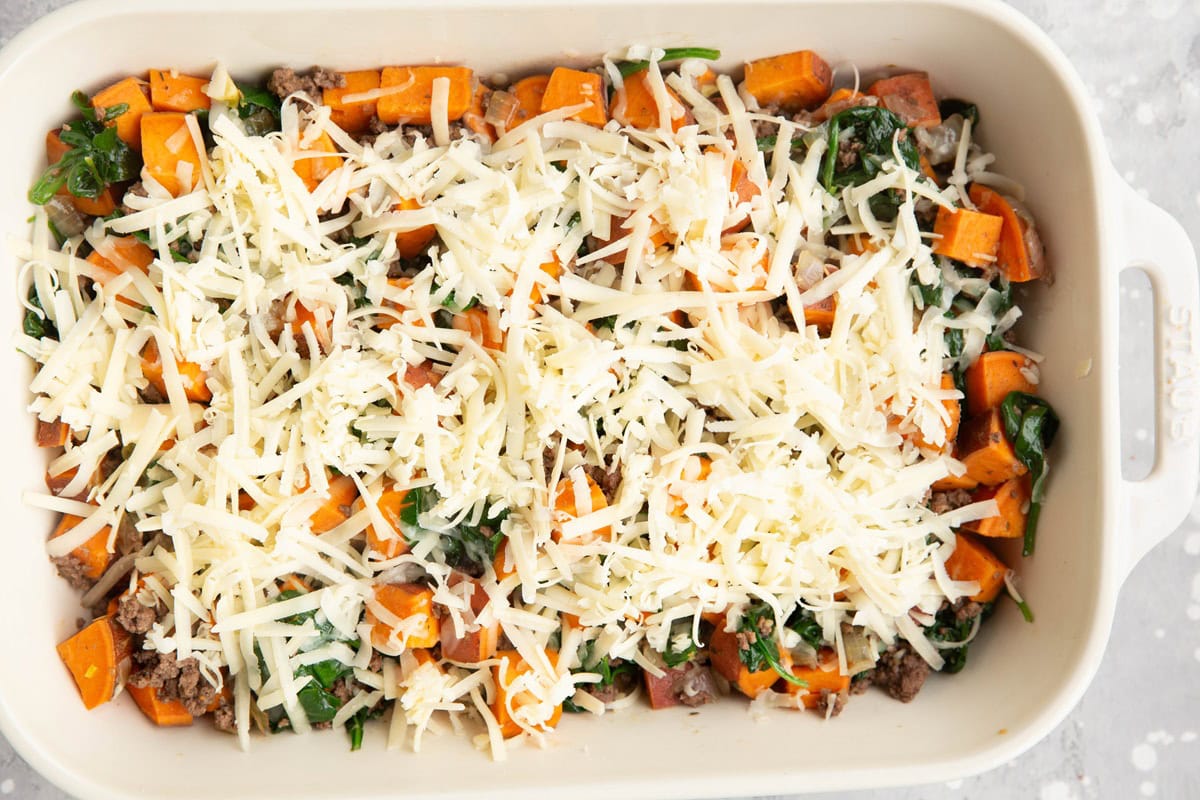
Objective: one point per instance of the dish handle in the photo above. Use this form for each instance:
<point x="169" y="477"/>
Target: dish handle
<point x="1153" y="507"/>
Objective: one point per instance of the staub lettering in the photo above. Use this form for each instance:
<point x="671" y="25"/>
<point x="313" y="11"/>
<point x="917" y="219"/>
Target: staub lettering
<point x="1181" y="371"/>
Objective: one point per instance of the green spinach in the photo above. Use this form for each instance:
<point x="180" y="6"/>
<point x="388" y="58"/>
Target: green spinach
<point x="258" y="109"/>
<point x="628" y="68"/>
<point x="762" y="649"/>
<point x="877" y="134"/>
<point x="96" y="159"/>
<point x="951" y="106"/>
<point x="804" y="622"/>
<point x="673" y="657"/>
<point x="36" y="324"/>
<point x="1031" y="426"/>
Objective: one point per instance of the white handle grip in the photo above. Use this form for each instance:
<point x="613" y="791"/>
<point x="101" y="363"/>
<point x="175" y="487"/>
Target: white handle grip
<point x="1154" y="241"/>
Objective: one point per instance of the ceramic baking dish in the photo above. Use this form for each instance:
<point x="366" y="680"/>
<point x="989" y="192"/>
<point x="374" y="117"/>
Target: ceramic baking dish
<point x="1022" y="680"/>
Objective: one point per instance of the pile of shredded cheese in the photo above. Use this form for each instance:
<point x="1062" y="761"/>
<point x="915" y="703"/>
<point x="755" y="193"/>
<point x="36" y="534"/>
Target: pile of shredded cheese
<point x="816" y="494"/>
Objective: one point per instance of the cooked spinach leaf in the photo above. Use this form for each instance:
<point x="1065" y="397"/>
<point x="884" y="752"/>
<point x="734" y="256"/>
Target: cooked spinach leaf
<point x="628" y="68"/>
<point x="97" y="157"/>
<point x="872" y="136"/>
<point x="1031" y="425"/>
<point x="762" y="649"/>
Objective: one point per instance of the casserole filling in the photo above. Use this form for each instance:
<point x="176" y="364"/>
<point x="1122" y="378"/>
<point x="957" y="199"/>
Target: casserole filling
<point x="388" y="391"/>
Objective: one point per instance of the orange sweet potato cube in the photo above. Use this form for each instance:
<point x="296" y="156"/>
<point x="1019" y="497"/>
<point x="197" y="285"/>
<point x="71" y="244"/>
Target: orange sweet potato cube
<point x="967" y="236"/>
<point x="132" y="93"/>
<point x="793" y="81"/>
<point x="411" y="101"/>
<point x="571" y="87"/>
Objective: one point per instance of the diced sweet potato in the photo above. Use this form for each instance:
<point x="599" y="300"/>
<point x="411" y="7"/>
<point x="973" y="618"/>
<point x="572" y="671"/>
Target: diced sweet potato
<point x="167" y="144"/>
<point x="474" y="645"/>
<point x="967" y="236"/>
<point x="170" y="91"/>
<point x="389" y="544"/>
<point x="793" y="81"/>
<point x="818" y="680"/>
<point x="352" y="117"/>
<point x="337" y="507"/>
<point x="314" y="169"/>
<point x="952" y="482"/>
<point x="164" y="713"/>
<point x="743" y="190"/>
<point x="909" y="97"/>
<point x="507" y="701"/>
<point x="317" y="316"/>
<point x="973" y="561"/>
<point x="119" y="255"/>
<point x="93" y="553"/>
<point x="822" y="313"/>
<point x="985" y="451"/>
<point x="994" y="375"/>
<point x="529" y="93"/>
<point x="723" y="653"/>
<point x="1013" y="256"/>
<point x="565" y="507"/>
<point x="1012" y="497"/>
<point x="635" y="105"/>
<point x="954" y="409"/>
<point x="571" y="87"/>
<point x="407" y="601"/>
<point x="132" y="93"/>
<point x="52" y="434"/>
<point x="480" y="325"/>
<point x="411" y="102"/>
<point x="191" y="375"/>
<point x="99" y="658"/>
<point x="410" y="244"/>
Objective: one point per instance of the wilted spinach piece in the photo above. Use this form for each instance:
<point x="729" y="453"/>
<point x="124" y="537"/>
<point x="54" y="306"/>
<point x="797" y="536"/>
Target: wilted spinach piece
<point x="946" y="628"/>
<point x="37" y="324"/>
<point x="467" y="547"/>
<point x="803" y="622"/>
<point x="762" y="651"/>
<point x="673" y="657"/>
<point x="967" y="110"/>
<point x="258" y="109"/>
<point x="1030" y="424"/>
<point x="628" y="68"/>
<point x="97" y="158"/>
<point x="871" y="130"/>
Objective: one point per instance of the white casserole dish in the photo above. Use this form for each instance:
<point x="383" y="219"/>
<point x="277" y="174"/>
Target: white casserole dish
<point x="1022" y="679"/>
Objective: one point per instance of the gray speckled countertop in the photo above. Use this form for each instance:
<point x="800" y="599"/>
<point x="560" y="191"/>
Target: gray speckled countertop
<point x="1129" y="737"/>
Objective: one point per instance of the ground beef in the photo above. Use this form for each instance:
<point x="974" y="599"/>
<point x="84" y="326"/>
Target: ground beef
<point x="941" y="502"/>
<point x="862" y="681"/>
<point x="901" y="672"/>
<point x="847" y="156"/>
<point x="151" y="395"/>
<point x="174" y="680"/>
<point x="73" y="571"/>
<point x="609" y="480"/>
<point x="965" y="610"/>
<point x="224" y="718"/>
<point x="837" y="699"/>
<point x="376" y="663"/>
<point x="548" y="459"/>
<point x="285" y="81"/>
<point x="135" y="617"/>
